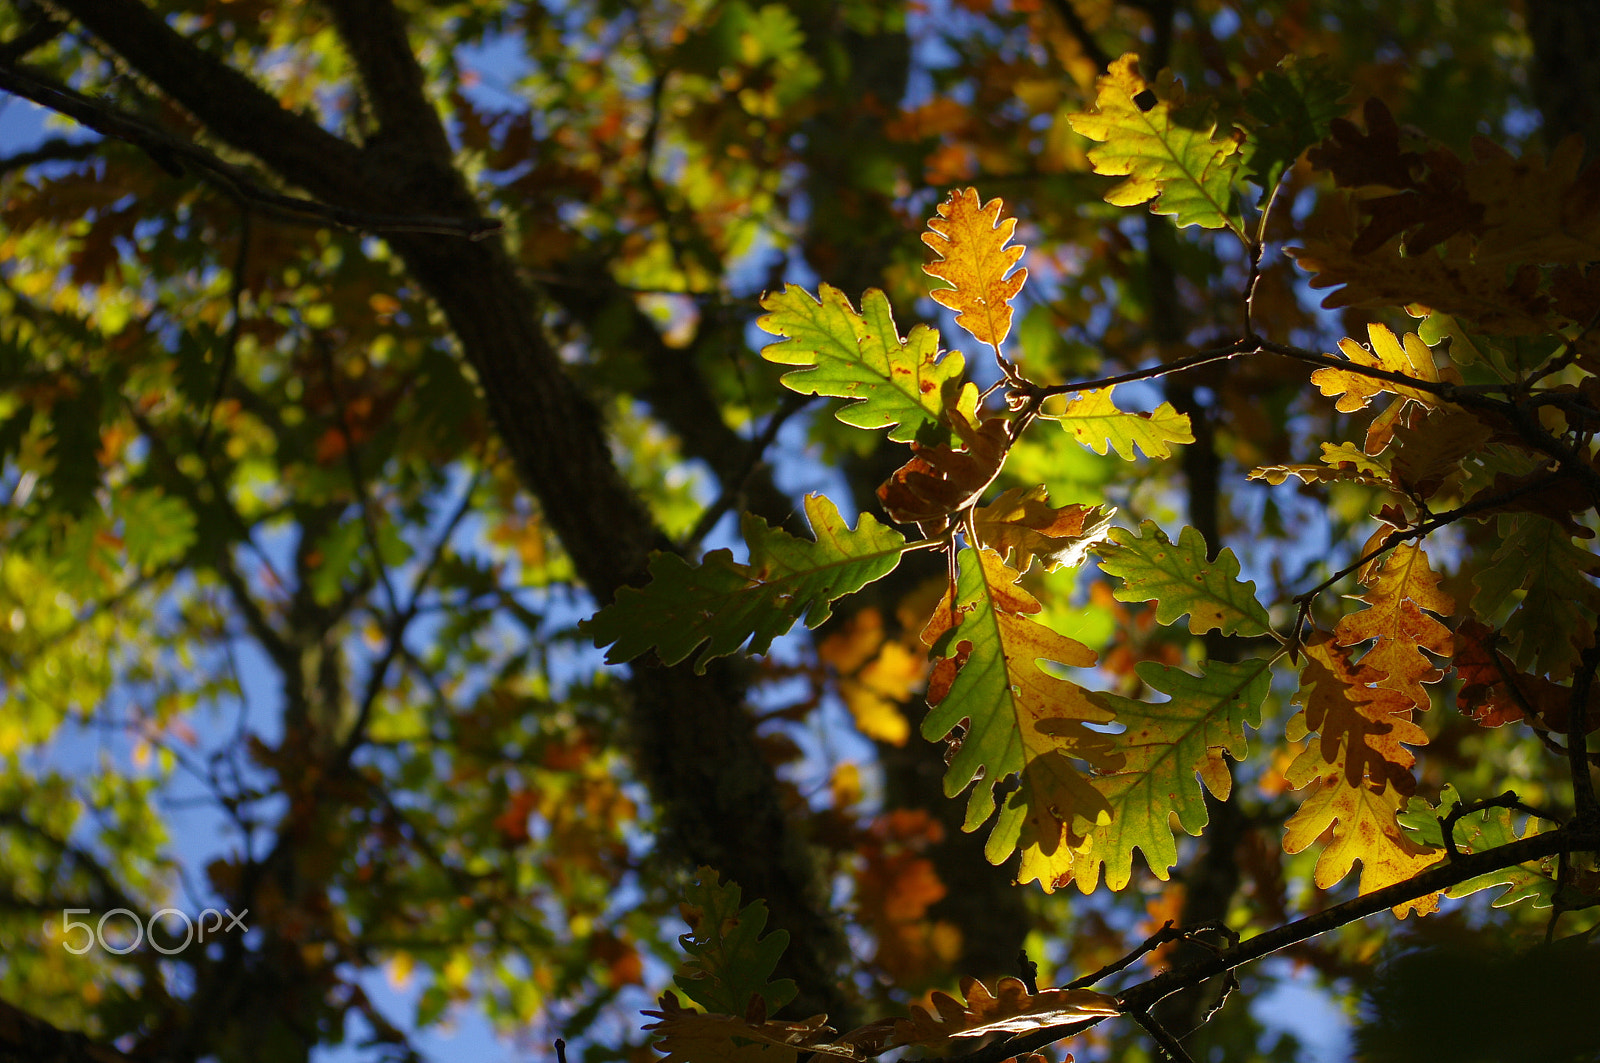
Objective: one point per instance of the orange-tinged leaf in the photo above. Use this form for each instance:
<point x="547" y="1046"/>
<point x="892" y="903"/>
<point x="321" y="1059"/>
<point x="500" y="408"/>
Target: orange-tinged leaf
<point x="1401" y="589"/>
<point x="1358" y="770"/>
<point x="1020" y="719"/>
<point x="1010" y="1010"/>
<point x="1494" y="693"/>
<point x="940" y="481"/>
<point x="1021" y="525"/>
<point x="1363" y="727"/>
<point x="970" y="238"/>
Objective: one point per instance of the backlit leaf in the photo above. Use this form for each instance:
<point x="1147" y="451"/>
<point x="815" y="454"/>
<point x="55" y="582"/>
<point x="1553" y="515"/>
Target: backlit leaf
<point x="1020" y="719"/>
<point x="1476" y="832"/>
<point x="724" y="603"/>
<point x="1179" y="579"/>
<point x="1402" y="588"/>
<point x="1021" y="525"/>
<point x="1012" y="1009"/>
<point x="1359" y="774"/>
<point x="1356" y="390"/>
<point x="1096" y="422"/>
<point x="899" y="384"/>
<point x="1171" y="748"/>
<point x="1166" y="150"/>
<point x="970" y="238"/>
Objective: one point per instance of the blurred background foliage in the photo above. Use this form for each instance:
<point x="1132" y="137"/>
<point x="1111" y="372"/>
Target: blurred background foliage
<point x="283" y="628"/>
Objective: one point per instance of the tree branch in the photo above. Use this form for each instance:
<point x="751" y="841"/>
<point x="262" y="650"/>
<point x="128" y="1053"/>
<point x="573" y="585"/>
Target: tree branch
<point x="1442" y="876"/>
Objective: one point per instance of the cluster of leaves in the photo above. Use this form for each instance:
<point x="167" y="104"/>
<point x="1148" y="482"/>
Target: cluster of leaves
<point x="1489" y="420"/>
<point x="293" y="538"/>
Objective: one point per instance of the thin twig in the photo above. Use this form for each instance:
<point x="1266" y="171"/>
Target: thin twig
<point x="1167" y="933"/>
<point x="230" y="343"/>
<point x="1509" y="799"/>
<point x="1420" y="530"/>
<point x="1162" y="1036"/>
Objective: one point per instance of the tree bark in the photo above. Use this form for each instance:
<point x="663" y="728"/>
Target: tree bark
<point x="720" y="800"/>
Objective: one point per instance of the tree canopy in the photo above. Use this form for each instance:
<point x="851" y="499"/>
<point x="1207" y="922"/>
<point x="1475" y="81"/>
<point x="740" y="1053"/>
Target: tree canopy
<point x="733" y="531"/>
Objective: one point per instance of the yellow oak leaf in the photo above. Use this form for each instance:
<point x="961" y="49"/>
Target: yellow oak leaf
<point x="1358" y="772"/>
<point x="1356" y="390"/>
<point x="1399" y="592"/>
<point x="1096" y="422"/>
<point x="970" y="238"/>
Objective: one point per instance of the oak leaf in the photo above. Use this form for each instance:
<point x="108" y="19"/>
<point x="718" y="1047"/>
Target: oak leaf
<point x="1358" y="769"/>
<point x="1180" y="579"/>
<point x="1165" y="149"/>
<point x="1493" y="692"/>
<point x="1171" y="748"/>
<point x="1020" y="525"/>
<point x="723" y="603"/>
<point x="971" y="242"/>
<point x="1446" y="279"/>
<point x="727" y="959"/>
<point x="1012" y="1009"/>
<point x="1290" y="108"/>
<point x="1409" y="357"/>
<point x="1554" y="620"/>
<point x="942" y="480"/>
<point x="1021" y="720"/>
<point x="1342" y="462"/>
<point x="1475" y="832"/>
<point x="900" y="384"/>
<point x="1096" y="422"/>
<point x="1402" y="588"/>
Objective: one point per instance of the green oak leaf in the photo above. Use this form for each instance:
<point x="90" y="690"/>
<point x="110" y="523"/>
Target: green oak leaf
<point x="899" y="384"/>
<point x="1180" y="580"/>
<point x="725" y="603"/>
<point x="1291" y="107"/>
<point x="1487" y="828"/>
<point x="1163" y="148"/>
<point x="1170" y="749"/>
<point x="729" y="961"/>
